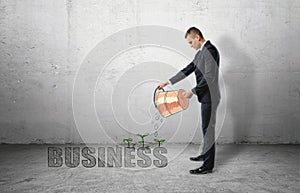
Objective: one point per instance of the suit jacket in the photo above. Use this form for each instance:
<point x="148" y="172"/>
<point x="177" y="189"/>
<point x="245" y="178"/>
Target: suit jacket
<point x="205" y="65"/>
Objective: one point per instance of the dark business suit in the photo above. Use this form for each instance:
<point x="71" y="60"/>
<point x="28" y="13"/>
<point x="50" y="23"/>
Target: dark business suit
<point x="205" y="65"/>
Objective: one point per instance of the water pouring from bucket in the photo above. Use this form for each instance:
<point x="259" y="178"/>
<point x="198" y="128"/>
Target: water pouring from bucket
<point x="170" y="102"/>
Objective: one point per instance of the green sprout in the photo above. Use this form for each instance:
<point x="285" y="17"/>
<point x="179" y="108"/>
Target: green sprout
<point x="133" y="144"/>
<point x="142" y="136"/>
<point x="159" y="141"/>
<point x="128" y="140"/>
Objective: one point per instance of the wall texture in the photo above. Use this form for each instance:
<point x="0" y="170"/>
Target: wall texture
<point x="43" y="44"/>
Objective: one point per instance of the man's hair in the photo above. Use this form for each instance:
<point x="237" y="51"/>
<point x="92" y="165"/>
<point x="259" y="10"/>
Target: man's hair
<point x="193" y="31"/>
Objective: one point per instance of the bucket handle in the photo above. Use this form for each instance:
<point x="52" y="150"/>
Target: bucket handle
<point x="154" y="96"/>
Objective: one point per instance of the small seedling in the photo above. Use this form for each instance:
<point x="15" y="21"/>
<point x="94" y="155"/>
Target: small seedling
<point x="133" y="144"/>
<point x="159" y="141"/>
<point x="128" y="140"/>
<point x="142" y="136"/>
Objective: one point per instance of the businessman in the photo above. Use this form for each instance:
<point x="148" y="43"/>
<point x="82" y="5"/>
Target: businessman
<point x="205" y="65"/>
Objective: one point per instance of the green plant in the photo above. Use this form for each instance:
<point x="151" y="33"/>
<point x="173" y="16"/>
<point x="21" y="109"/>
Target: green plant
<point x="133" y="144"/>
<point x="142" y="136"/>
<point x="128" y="140"/>
<point x="159" y="141"/>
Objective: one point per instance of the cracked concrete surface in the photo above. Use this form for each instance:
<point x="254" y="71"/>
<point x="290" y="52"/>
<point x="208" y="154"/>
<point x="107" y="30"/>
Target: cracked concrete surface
<point x="239" y="168"/>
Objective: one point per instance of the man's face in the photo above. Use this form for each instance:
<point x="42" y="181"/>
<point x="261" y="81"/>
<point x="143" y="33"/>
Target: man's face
<point x="194" y="41"/>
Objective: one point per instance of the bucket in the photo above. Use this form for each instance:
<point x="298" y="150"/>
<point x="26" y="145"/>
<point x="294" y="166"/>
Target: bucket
<point x="170" y="102"/>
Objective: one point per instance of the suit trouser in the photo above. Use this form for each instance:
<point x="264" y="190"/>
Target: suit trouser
<point x="208" y="114"/>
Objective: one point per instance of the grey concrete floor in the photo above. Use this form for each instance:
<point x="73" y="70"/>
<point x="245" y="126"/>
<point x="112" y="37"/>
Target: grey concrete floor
<point x="239" y="168"/>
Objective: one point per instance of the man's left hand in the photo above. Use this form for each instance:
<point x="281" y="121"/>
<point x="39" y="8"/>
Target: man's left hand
<point x="188" y="94"/>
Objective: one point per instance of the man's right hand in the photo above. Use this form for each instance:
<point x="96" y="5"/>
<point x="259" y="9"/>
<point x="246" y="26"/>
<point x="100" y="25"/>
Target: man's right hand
<point x="162" y="85"/>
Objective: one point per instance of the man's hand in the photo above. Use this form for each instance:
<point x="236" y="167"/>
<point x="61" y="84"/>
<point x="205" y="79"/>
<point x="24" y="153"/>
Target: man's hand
<point x="162" y="85"/>
<point x="188" y="94"/>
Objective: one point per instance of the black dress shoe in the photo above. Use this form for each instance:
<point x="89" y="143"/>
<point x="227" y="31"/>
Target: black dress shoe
<point x="201" y="170"/>
<point x="198" y="158"/>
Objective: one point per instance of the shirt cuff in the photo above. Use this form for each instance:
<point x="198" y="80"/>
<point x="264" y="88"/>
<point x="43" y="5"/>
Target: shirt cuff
<point x="169" y="81"/>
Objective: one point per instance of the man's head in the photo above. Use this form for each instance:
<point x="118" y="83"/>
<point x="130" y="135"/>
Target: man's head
<point x="194" y="37"/>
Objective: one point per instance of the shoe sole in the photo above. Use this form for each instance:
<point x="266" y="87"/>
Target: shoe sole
<point x="197" y="160"/>
<point x="206" y="172"/>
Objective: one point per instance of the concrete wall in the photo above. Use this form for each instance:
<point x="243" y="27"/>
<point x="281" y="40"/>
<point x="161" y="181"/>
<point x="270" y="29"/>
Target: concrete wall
<point x="43" y="44"/>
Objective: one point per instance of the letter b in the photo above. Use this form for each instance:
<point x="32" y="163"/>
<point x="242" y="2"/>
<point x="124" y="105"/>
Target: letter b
<point x="54" y="157"/>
